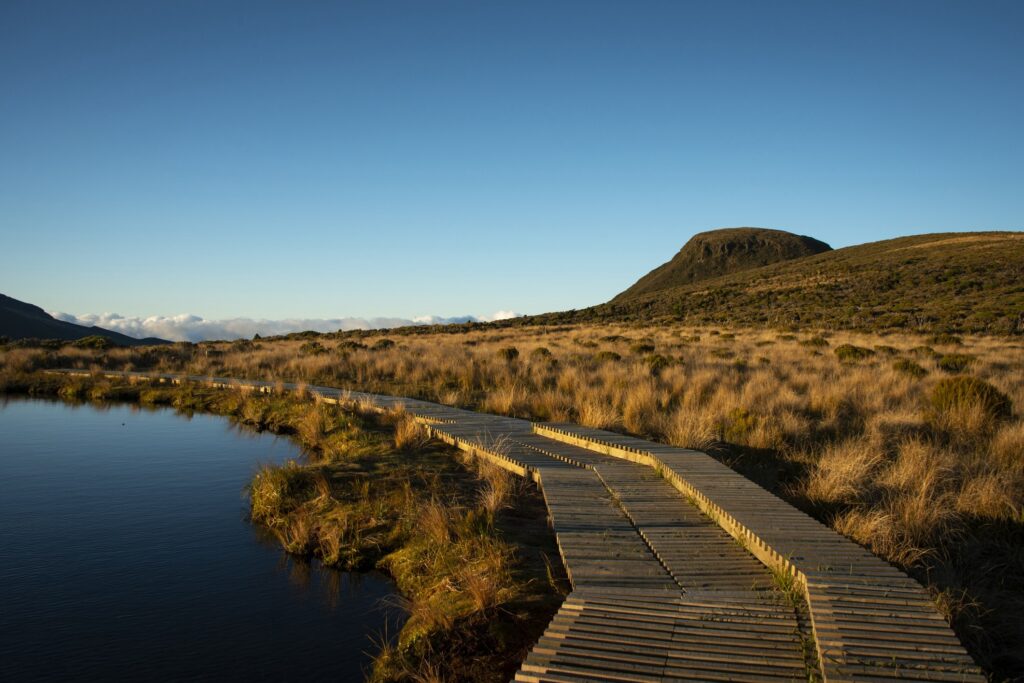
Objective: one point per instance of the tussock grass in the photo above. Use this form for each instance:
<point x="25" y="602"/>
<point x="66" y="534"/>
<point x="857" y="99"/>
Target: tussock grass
<point x="409" y="436"/>
<point x="923" y="467"/>
<point x="467" y="546"/>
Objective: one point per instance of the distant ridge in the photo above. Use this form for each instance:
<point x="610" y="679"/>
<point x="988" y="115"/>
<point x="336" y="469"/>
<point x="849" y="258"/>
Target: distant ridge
<point x="722" y="252"/>
<point x="966" y="282"/>
<point x="20" y="320"/>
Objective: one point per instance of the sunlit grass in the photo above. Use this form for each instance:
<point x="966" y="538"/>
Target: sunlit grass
<point x="879" y="436"/>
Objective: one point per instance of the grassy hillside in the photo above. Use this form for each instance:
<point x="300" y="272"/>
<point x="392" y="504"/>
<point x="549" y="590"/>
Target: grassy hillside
<point x="951" y="282"/>
<point x="722" y="252"/>
<point x="20" y="320"/>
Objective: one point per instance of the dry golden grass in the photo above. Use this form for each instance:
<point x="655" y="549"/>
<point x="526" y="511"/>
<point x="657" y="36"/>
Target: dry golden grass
<point x="409" y="436"/>
<point x="857" y="443"/>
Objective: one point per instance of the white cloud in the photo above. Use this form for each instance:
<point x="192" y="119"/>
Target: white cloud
<point x="186" y="327"/>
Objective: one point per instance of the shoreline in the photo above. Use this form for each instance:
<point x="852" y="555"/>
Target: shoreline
<point x="481" y="629"/>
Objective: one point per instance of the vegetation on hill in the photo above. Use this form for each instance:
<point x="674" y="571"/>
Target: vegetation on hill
<point x="722" y="252"/>
<point x="19" y="320"/>
<point x="912" y="445"/>
<point x="953" y="282"/>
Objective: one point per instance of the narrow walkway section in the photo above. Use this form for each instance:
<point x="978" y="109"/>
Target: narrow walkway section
<point x="723" y="621"/>
<point x="870" y="620"/>
<point x="671" y="558"/>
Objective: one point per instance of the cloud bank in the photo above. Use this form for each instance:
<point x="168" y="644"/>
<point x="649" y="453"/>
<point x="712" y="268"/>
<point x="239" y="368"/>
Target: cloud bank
<point x="194" y="328"/>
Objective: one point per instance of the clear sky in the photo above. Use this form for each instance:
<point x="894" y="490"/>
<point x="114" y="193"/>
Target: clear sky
<point x="328" y="159"/>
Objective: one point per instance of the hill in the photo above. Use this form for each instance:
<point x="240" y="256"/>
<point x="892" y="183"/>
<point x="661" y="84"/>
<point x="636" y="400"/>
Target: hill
<point x="949" y="282"/>
<point x="722" y="252"/>
<point x="19" y="320"/>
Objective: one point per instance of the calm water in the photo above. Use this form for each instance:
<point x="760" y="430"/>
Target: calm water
<point x="125" y="554"/>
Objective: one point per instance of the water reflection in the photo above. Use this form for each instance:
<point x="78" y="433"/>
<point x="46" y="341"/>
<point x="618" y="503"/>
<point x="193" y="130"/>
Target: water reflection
<point x="126" y="552"/>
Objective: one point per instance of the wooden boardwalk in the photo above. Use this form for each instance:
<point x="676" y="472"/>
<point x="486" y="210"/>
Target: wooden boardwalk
<point x="675" y="563"/>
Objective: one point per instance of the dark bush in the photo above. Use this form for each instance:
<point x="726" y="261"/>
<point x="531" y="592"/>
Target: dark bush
<point x="949" y="339"/>
<point x="541" y="352"/>
<point x="909" y="367"/>
<point x="607" y="356"/>
<point x="815" y="341"/>
<point x="962" y="391"/>
<point x="93" y="341"/>
<point x="383" y="344"/>
<point x="312" y="348"/>
<point x="509" y="353"/>
<point x="955" y="362"/>
<point x="657" y="362"/>
<point x="849" y="353"/>
<point x="642" y="347"/>
<point x="738" y="425"/>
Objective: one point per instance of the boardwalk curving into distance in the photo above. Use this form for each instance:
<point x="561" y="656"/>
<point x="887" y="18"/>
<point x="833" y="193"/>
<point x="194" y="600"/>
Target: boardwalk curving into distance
<point x="677" y="564"/>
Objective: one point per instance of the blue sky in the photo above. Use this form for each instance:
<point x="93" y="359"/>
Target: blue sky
<point x="333" y="159"/>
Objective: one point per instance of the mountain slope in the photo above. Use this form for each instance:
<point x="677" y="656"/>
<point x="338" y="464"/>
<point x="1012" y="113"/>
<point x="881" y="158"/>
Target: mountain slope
<point x="948" y="282"/>
<point x="722" y="252"/>
<point x="19" y="320"/>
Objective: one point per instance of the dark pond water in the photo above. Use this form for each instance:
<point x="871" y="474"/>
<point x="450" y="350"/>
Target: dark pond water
<point x="125" y="554"/>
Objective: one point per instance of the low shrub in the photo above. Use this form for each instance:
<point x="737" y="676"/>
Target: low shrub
<point x="657" y="362"/>
<point x="738" y="425"/>
<point x="607" y="357"/>
<point x="910" y="368"/>
<point x="924" y="352"/>
<point x="963" y="392"/>
<point x="813" y="341"/>
<point x="312" y="348"/>
<point x="508" y="353"/>
<point x="948" y="339"/>
<point x="848" y="353"/>
<point x="93" y="341"/>
<point x="955" y="362"/>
